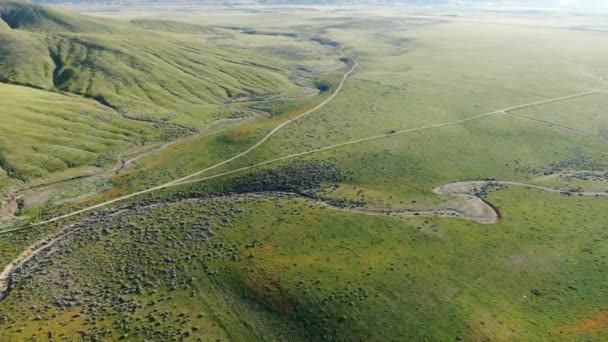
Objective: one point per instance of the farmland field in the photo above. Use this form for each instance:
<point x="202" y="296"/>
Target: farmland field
<point x="281" y="172"/>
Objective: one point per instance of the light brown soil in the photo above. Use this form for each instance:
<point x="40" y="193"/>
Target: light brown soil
<point x="8" y="208"/>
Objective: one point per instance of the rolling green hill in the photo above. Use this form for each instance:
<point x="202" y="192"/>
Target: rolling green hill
<point x="44" y="134"/>
<point x="19" y="15"/>
<point x="144" y="74"/>
<point x="158" y="80"/>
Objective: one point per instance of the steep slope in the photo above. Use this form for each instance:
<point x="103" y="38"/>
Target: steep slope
<point x="153" y="78"/>
<point x="3" y="25"/>
<point x="145" y="74"/>
<point x="24" y="59"/>
<point x="156" y="79"/>
<point x="43" y="133"/>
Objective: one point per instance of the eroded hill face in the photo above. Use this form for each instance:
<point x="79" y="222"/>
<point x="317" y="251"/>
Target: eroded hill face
<point x="142" y="73"/>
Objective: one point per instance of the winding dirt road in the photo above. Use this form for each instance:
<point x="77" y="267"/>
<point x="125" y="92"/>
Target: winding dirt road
<point x="451" y="188"/>
<point x="8" y="271"/>
<point x="386" y="135"/>
<point x="177" y="181"/>
<point x="481" y="211"/>
<point x="470" y="207"/>
<point x="187" y="180"/>
<point x="9" y="207"/>
<point x="272" y="132"/>
<point x="553" y="124"/>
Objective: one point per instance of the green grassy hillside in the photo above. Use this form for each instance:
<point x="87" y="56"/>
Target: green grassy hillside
<point x="144" y="74"/>
<point x="149" y="74"/>
<point x="25" y="59"/>
<point x="24" y="16"/>
<point x="44" y="133"/>
<point x="271" y="268"/>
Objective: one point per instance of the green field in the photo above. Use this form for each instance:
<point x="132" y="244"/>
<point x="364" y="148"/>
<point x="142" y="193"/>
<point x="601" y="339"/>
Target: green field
<point x="330" y="229"/>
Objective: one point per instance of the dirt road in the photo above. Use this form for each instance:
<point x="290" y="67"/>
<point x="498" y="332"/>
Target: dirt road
<point x="470" y="207"/>
<point x="7" y="273"/>
<point x="381" y="136"/>
<point x="188" y="180"/>
<point x="175" y="182"/>
<point x="481" y="211"/>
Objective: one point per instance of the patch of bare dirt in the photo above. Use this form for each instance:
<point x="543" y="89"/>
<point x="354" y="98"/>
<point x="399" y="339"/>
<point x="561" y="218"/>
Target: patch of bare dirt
<point x="8" y="208"/>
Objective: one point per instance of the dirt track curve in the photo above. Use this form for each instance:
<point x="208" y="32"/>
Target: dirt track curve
<point x="386" y="135"/>
<point x="174" y="182"/>
<point x="470" y="207"/>
<point x="187" y="180"/>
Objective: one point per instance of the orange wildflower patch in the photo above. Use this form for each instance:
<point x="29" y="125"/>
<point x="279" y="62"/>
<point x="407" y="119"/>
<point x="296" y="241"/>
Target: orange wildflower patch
<point x="596" y="323"/>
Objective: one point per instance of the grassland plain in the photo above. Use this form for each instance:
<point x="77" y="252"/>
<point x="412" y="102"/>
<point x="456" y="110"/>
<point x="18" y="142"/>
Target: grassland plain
<point x="398" y="170"/>
<point x="420" y="99"/>
<point x="220" y="260"/>
<point x="435" y="81"/>
<point x="590" y="115"/>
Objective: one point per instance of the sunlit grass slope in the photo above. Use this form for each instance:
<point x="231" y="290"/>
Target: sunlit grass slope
<point x="158" y="80"/>
<point x="43" y="133"/>
<point x="145" y="74"/>
<point x="24" y="16"/>
<point x="199" y="261"/>
<point x="174" y="26"/>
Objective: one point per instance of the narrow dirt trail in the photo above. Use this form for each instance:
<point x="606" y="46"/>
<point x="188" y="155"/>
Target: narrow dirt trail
<point x="8" y="207"/>
<point x="187" y="180"/>
<point x="386" y="135"/>
<point x="119" y="167"/>
<point x="507" y="111"/>
<point x="553" y="124"/>
<point x="6" y="276"/>
<point x="590" y="92"/>
<point x="481" y="211"/>
<point x="176" y="181"/>
<point x="471" y="207"/>
<point x="460" y="211"/>
<point x="8" y="271"/>
<point x="273" y="131"/>
<point x="471" y="184"/>
<point x="124" y="163"/>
